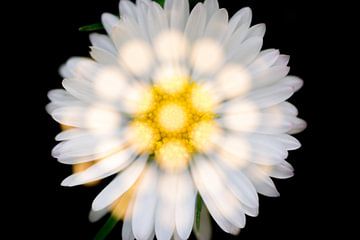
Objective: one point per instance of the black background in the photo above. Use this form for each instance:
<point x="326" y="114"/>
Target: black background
<point x="45" y="210"/>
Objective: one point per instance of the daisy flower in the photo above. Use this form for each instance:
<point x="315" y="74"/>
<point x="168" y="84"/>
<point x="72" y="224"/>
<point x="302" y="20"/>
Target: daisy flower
<point x="182" y="107"/>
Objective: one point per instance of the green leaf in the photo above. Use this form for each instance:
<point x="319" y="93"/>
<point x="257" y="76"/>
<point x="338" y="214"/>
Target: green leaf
<point x="107" y="228"/>
<point x="161" y="2"/>
<point x="198" y="208"/>
<point x="91" y="27"/>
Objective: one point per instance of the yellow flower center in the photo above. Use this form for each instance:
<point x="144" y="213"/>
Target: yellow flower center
<point x="176" y="123"/>
<point x="172" y="117"/>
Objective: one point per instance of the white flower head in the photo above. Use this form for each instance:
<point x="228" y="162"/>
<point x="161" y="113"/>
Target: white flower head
<point x="177" y="103"/>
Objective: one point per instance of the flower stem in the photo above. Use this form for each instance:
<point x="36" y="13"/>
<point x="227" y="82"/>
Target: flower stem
<point x="198" y="211"/>
<point x="91" y="27"/>
<point x="107" y="228"/>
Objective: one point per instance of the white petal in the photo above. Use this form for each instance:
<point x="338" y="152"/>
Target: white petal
<point x="204" y="232"/>
<point x="74" y="133"/>
<point x="283" y="60"/>
<point x="282" y="170"/>
<point x="145" y="204"/>
<point x="142" y="9"/>
<point x="80" y="89"/>
<point x="88" y="145"/>
<point x="264" y="60"/>
<point x="219" y="218"/>
<point x="254" y="148"/>
<point x="224" y="200"/>
<point x="185" y="205"/>
<point x="238" y="28"/>
<point x="289" y="142"/>
<point x="232" y="80"/>
<point x="261" y="181"/>
<point x="229" y="206"/>
<point x="82" y="68"/>
<point x="126" y="232"/>
<point x="272" y="120"/>
<point x="247" y="51"/>
<point x="240" y="19"/>
<point x="109" y="87"/>
<point x="178" y="13"/>
<point x="269" y="76"/>
<point x="292" y="81"/>
<point x="60" y="96"/>
<point x="165" y="209"/>
<point x="217" y="25"/>
<point x="95" y="216"/>
<point x="211" y="7"/>
<point x="235" y="40"/>
<point x="90" y="117"/>
<point x="103" y="56"/>
<point x="171" y="47"/>
<point x="121" y="183"/>
<point x="83" y="159"/>
<point x="109" y="21"/>
<point x="127" y="9"/>
<point x="238" y="184"/>
<point x="243" y="16"/>
<point x="157" y="20"/>
<point x="125" y="31"/>
<point x="207" y="57"/>
<point x="102" y="169"/>
<point x="64" y="71"/>
<point x="258" y="99"/>
<point x="257" y="30"/>
<point x="298" y="125"/>
<point x="102" y="41"/>
<point x="196" y="23"/>
<point x="137" y="56"/>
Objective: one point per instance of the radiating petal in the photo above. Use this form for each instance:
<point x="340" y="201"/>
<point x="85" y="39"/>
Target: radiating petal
<point x="264" y="60"/>
<point x="298" y="125"/>
<point x="258" y="99"/>
<point x="102" y="41"/>
<point x="156" y="20"/>
<point x="282" y="170"/>
<point x="204" y="232"/>
<point x="219" y="218"/>
<point x="240" y="19"/>
<point x="254" y="148"/>
<point x="262" y="182"/>
<point x="165" y="209"/>
<point x="127" y="9"/>
<point x="277" y="119"/>
<point x="145" y="204"/>
<point x="217" y="25"/>
<point x="127" y="232"/>
<point x="90" y="117"/>
<point x="257" y="30"/>
<point x="292" y="81"/>
<point x="247" y="51"/>
<point x="95" y="216"/>
<point x="185" y="205"/>
<point x="233" y="80"/>
<point x="109" y="21"/>
<point x="196" y="23"/>
<point x="283" y="60"/>
<point x="207" y="57"/>
<point x="211" y="7"/>
<point x="239" y="184"/>
<point x="269" y="76"/>
<point x="103" y="56"/>
<point x="102" y="169"/>
<point x="121" y="183"/>
<point x="178" y="13"/>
